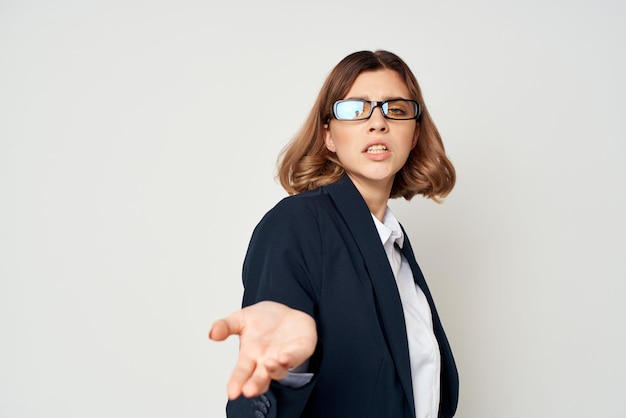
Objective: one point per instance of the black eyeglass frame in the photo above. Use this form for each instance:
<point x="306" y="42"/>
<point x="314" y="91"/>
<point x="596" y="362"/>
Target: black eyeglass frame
<point x="374" y="105"/>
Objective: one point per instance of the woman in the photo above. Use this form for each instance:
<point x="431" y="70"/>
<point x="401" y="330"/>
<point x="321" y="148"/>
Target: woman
<point x="338" y="320"/>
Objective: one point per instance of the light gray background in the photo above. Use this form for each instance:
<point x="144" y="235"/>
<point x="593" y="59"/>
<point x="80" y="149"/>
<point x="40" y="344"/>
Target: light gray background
<point x="137" y="150"/>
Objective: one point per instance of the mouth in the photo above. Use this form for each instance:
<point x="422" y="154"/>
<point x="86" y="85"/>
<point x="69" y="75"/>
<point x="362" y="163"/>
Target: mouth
<point x="377" y="149"/>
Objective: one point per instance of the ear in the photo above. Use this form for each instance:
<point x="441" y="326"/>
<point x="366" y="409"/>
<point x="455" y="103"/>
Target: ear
<point x="415" y="135"/>
<point x="330" y="144"/>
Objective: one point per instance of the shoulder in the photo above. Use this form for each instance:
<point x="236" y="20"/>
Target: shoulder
<point x="298" y="218"/>
<point x="300" y="208"/>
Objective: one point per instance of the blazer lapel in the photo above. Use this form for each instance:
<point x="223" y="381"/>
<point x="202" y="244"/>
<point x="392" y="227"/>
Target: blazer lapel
<point x="358" y="217"/>
<point x="449" y="373"/>
<point x="407" y="250"/>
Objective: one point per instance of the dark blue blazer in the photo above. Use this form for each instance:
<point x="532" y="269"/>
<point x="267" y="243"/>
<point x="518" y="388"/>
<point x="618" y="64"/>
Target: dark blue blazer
<point x="319" y="252"/>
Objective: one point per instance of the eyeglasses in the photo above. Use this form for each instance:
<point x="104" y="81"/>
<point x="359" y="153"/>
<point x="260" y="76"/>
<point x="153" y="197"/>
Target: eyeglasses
<point x="354" y="109"/>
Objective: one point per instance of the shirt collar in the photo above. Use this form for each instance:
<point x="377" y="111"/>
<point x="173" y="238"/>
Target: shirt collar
<point x="389" y="229"/>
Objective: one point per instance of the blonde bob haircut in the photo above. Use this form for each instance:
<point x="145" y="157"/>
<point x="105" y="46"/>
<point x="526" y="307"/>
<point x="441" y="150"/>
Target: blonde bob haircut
<point x="306" y="164"/>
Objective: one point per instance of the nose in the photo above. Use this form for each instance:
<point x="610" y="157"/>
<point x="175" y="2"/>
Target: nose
<point x="377" y="121"/>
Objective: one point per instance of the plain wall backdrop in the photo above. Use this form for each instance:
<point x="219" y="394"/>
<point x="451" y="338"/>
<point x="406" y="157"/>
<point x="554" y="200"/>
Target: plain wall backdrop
<point x="138" y="142"/>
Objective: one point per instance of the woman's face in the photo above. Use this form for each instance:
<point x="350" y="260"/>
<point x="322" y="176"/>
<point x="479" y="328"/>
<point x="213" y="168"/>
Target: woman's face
<point x="373" y="150"/>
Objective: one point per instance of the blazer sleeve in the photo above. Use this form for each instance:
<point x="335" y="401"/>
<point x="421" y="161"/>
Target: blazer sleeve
<point x="284" y="259"/>
<point x="283" y="264"/>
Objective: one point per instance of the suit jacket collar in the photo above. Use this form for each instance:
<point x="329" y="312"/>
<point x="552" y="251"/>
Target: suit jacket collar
<point x="358" y="218"/>
<point x="449" y="375"/>
<point x="407" y="250"/>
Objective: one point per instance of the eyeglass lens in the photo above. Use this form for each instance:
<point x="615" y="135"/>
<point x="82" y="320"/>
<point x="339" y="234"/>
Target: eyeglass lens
<point x="362" y="109"/>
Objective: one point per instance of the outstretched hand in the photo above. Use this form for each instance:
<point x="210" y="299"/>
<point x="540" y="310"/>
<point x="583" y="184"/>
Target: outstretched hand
<point x="272" y="339"/>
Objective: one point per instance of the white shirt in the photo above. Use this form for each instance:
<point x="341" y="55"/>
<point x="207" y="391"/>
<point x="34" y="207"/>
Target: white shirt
<point x="424" y="352"/>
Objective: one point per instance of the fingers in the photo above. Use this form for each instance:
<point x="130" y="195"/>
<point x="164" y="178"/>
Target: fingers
<point x="258" y="384"/>
<point x="275" y="369"/>
<point x="219" y="331"/>
<point x="252" y="375"/>
<point x="224" y="328"/>
<point x="241" y="373"/>
<point x="248" y="379"/>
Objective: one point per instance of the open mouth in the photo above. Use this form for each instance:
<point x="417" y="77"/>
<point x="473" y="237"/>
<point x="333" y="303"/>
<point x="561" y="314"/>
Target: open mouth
<point x="377" y="149"/>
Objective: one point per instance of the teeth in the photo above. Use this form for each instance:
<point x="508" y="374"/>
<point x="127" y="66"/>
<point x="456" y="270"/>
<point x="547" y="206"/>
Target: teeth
<point x="377" y="149"/>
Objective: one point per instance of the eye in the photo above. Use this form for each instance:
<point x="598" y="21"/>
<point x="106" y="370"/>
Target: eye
<point x="398" y="108"/>
<point x="397" y="111"/>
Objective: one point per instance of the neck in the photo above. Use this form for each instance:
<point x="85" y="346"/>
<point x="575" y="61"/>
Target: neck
<point x="375" y="194"/>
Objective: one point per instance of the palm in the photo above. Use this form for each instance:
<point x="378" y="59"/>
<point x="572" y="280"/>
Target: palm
<point x="273" y="338"/>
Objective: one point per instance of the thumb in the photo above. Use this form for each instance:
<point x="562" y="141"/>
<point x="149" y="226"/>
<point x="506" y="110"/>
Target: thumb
<point x="225" y="327"/>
